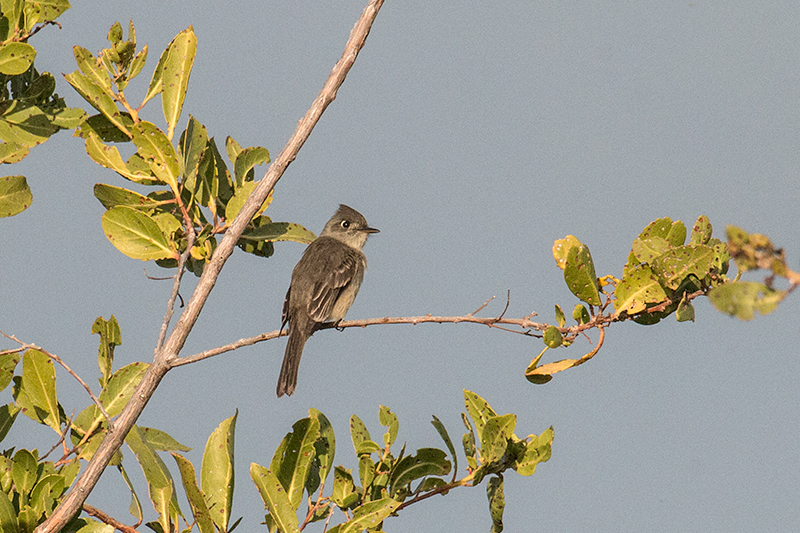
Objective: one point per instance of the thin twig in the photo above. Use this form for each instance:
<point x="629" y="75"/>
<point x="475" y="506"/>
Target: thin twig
<point x="103" y="517"/>
<point x="176" y="287"/>
<point x="478" y="310"/>
<point x="508" y="301"/>
<point x="57" y="359"/>
<point x="63" y="437"/>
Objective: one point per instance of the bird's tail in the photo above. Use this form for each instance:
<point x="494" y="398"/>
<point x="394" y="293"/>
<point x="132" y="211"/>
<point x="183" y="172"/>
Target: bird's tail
<point x="291" y="360"/>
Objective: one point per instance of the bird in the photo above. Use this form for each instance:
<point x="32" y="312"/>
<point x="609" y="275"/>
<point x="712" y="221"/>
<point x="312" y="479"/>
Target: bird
<point x="324" y="285"/>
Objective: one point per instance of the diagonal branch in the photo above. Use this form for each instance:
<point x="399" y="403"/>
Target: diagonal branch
<point x="166" y="354"/>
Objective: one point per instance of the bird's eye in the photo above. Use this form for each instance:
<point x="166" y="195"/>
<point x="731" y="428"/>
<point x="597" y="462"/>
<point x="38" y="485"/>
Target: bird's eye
<point x="345" y="224"/>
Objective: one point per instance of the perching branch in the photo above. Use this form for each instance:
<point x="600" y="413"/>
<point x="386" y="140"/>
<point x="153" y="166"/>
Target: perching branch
<point x="166" y="355"/>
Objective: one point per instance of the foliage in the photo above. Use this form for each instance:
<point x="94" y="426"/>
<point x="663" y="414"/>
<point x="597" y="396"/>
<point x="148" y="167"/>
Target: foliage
<point x="30" y="110"/>
<point x="664" y="272"/>
<point x="202" y="195"/>
<point x="194" y="197"/>
<point x="388" y="480"/>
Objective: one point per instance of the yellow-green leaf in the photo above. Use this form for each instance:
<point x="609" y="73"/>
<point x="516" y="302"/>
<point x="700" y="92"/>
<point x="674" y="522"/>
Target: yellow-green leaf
<point x="175" y="76"/>
<point x="275" y="498"/>
<point x="39" y="383"/>
<point x="217" y="474"/>
<point x="136" y="235"/>
<point x="15" y="195"/>
<point x="16" y="58"/>
<point x="580" y="275"/>
<point x="155" y="148"/>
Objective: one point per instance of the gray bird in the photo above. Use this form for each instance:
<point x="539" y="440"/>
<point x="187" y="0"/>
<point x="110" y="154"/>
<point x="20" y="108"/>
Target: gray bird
<point x="324" y="284"/>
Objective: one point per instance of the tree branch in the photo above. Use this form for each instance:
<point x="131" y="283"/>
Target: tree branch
<point x="165" y="355"/>
<point x="57" y="359"/>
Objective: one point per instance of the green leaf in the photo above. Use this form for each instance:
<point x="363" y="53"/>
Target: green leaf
<point x="159" y="480"/>
<point x="175" y="77"/>
<point x="39" y="383"/>
<point x="426" y="462"/>
<point x="743" y="298"/>
<point x="8" y="413"/>
<point x="120" y="387"/>
<point x="580" y="314"/>
<point x="8" y="363"/>
<point x="94" y="71"/>
<point x="8" y="515"/>
<point x="137" y="63"/>
<point x="16" y="58"/>
<point x="217" y="474"/>
<point x="497" y="502"/>
<point x="232" y="148"/>
<point x="446" y="438"/>
<point x="192" y="144"/>
<point x="23" y="472"/>
<point x="50" y="9"/>
<point x="275" y="498"/>
<point x="278" y="231"/>
<point x="325" y="446"/>
<point x="552" y="337"/>
<point x="561" y="249"/>
<point x="580" y="275"/>
<point x="387" y="418"/>
<point x="367" y="470"/>
<point x="98" y="98"/>
<point x="135" y="169"/>
<point x="15" y="195"/>
<point x="200" y="511"/>
<point x="370" y="515"/>
<point x="111" y="196"/>
<point x="135" y="508"/>
<point x="13" y="152"/>
<point x="479" y="411"/>
<point x="156" y="85"/>
<point x="344" y="490"/>
<point x="157" y="150"/>
<point x="26" y="126"/>
<point x="494" y="439"/>
<point x="45" y="494"/>
<point x="685" y="311"/>
<point x="677" y="264"/>
<point x="362" y="443"/>
<point x="294" y="464"/>
<point x="245" y="161"/>
<point x="701" y="231"/>
<point x="661" y="227"/>
<point x="560" y="317"/>
<point x="646" y="250"/>
<point x="638" y="288"/>
<point x="238" y="200"/>
<point x="468" y="442"/>
<point x="106" y="130"/>
<point x="136" y="234"/>
<point x="109" y="338"/>
<point x="162" y="441"/>
<point x="537" y="450"/>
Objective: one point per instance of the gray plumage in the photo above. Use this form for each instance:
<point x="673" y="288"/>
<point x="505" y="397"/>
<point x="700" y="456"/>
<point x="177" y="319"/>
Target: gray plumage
<point x="324" y="285"/>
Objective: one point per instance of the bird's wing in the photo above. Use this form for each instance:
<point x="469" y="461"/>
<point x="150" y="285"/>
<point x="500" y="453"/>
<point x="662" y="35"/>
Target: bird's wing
<point x="342" y="267"/>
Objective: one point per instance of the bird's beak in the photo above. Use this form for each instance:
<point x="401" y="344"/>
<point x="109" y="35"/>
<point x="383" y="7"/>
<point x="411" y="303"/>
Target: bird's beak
<point x="371" y="230"/>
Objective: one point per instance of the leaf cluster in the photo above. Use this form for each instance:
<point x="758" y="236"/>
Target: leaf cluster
<point x="198" y="194"/>
<point x="388" y="480"/>
<point x="30" y="109"/>
<point x="753" y="251"/>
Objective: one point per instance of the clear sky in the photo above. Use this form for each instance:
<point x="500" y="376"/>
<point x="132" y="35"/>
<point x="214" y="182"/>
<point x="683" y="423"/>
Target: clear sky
<point x="473" y="135"/>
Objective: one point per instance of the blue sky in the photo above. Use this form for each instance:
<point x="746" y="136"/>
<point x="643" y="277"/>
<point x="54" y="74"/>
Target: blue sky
<point x="473" y="136"/>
